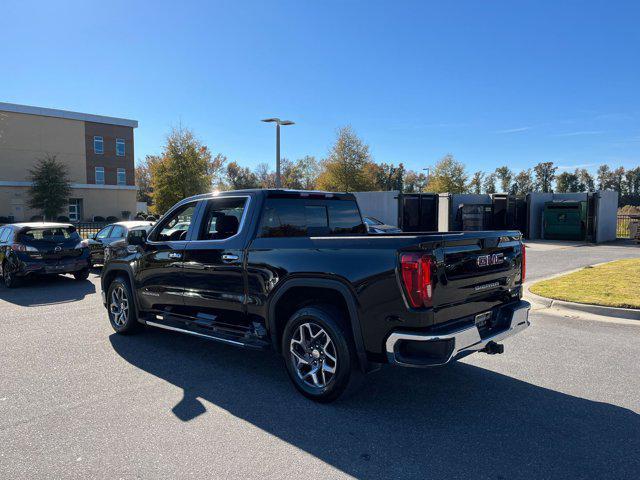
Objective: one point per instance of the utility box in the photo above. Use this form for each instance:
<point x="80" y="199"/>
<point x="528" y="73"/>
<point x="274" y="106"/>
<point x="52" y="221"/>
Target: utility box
<point x="412" y="212"/>
<point x="510" y="213"/>
<point x="565" y="220"/>
<point x="418" y="212"/>
<point x="474" y="217"/>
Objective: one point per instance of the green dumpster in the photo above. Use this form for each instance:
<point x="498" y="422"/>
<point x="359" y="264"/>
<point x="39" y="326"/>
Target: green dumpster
<point x="565" y="220"/>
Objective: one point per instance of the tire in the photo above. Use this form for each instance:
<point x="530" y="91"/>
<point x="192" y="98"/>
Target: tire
<point x="304" y="342"/>
<point x="122" y="315"/>
<point x="9" y="278"/>
<point x="81" y="274"/>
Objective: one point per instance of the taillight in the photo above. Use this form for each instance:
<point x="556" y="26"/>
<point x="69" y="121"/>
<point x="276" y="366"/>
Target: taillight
<point x="82" y="244"/>
<point x="524" y="262"/>
<point x="416" y="276"/>
<point x="20" y="247"/>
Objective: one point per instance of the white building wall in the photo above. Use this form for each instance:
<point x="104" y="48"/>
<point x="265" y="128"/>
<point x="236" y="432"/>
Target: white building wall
<point x="380" y="205"/>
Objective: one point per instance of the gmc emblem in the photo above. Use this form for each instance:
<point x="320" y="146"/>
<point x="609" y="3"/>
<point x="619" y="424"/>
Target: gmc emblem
<point x="488" y="260"/>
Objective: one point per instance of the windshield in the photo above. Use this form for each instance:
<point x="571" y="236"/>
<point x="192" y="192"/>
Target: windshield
<point x="51" y="234"/>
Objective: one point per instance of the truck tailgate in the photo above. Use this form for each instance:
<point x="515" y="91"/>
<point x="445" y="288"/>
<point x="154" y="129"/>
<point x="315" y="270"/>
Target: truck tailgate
<point x="476" y="273"/>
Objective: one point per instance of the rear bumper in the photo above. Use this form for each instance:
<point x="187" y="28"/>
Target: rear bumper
<point x="442" y="348"/>
<point x="69" y="265"/>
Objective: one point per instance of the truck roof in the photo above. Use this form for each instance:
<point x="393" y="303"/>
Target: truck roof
<point x="275" y="192"/>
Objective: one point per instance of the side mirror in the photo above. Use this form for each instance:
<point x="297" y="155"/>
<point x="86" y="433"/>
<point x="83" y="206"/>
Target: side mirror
<point x="91" y="236"/>
<point x="136" y="237"/>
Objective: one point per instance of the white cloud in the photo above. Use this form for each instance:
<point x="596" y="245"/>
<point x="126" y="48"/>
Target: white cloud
<point x="514" y="130"/>
<point x="579" y="133"/>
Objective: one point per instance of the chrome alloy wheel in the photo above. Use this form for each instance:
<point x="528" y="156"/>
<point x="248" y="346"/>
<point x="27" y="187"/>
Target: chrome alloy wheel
<point x="119" y="306"/>
<point x="314" y="355"/>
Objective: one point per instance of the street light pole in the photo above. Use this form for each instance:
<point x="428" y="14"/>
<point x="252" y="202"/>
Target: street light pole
<point x="278" y="122"/>
<point x="278" y="180"/>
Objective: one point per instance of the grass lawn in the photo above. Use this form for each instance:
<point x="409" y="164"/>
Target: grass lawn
<point x="615" y="284"/>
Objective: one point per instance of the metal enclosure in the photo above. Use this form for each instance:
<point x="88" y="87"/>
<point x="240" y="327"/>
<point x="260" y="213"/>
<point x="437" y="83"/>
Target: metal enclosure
<point x="510" y="213"/>
<point x="565" y="220"/>
<point x="418" y="212"/>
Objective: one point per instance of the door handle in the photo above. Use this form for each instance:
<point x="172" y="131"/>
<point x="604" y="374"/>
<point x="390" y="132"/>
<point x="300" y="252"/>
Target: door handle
<point x="229" y="257"/>
<point x="175" y="255"/>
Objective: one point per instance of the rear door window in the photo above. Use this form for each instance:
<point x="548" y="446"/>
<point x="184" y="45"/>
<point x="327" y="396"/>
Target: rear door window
<point x="344" y="219"/>
<point x="300" y="218"/>
<point x="4" y="234"/>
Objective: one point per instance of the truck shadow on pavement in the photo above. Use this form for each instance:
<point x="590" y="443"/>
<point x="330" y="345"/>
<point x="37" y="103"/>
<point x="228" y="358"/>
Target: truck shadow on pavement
<point x="38" y="291"/>
<point x="460" y="421"/>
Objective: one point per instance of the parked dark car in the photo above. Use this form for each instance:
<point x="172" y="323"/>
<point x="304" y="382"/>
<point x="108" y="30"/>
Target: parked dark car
<point x="28" y="249"/>
<point x="116" y="246"/>
<point x="376" y="226"/>
<point x="297" y="272"/>
<point x="114" y="232"/>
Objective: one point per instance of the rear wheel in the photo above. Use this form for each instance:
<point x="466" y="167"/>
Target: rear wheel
<point x="318" y="353"/>
<point x="122" y="311"/>
<point x="9" y="277"/>
<point x="81" y="274"/>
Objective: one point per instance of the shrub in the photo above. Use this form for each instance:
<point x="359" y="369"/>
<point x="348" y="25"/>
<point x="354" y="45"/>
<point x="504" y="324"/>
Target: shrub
<point x="98" y="218"/>
<point x="111" y="219"/>
<point x="62" y="218"/>
<point x="36" y="218"/>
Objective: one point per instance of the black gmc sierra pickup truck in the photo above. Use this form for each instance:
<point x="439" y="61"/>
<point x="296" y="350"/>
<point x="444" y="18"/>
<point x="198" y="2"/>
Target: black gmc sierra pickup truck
<point x="297" y="272"/>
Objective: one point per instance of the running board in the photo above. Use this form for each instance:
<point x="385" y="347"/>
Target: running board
<point x="258" y="345"/>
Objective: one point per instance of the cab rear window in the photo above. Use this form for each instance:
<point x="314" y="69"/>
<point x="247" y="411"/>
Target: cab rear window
<point x="54" y="234"/>
<point x="308" y="218"/>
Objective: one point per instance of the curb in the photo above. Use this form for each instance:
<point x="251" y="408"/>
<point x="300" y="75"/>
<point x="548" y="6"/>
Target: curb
<point x="544" y="302"/>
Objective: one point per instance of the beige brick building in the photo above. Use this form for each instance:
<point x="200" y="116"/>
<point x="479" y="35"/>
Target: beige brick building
<point x="97" y="150"/>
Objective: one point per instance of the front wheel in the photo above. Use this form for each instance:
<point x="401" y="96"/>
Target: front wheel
<point x="122" y="310"/>
<point x="318" y="353"/>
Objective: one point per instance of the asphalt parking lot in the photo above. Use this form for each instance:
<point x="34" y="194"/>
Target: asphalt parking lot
<point x="78" y="401"/>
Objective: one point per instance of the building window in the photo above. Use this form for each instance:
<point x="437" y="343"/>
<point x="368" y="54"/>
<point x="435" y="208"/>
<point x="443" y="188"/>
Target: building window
<point x="75" y="209"/>
<point x="122" y="176"/>
<point x="120" y="147"/>
<point x="100" y="175"/>
<point x="98" y="145"/>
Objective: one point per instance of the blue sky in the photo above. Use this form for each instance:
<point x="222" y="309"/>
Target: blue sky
<point x="494" y="82"/>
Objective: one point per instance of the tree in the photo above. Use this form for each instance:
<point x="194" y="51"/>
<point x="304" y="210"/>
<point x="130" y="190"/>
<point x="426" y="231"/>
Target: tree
<point x="504" y="175"/>
<point x="344" y="168"/>
<point x="387" y="176"/>
<point x="567" y="182"/>
<point x="217" y="169"/>
<point x="475" y="185"/>
<point x="632" y="179"/>
<point x="50" y="187"/>
<point x="414" y="182"/>
<point x="545" y="175"/>
<point x="585" y="180"/>
<point x="266" y="177"/>
<point x="239" y="177"/>
<point x="605" y="178"/>
<point x="618" y="180"/>
<point x="144" y="180"/>
<point x="310" y="170"/>
<point x="448" y="175"/>
<point x="523" y="183"/>
<point x="489" y="184"/>
<point x="185" y="168"/>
